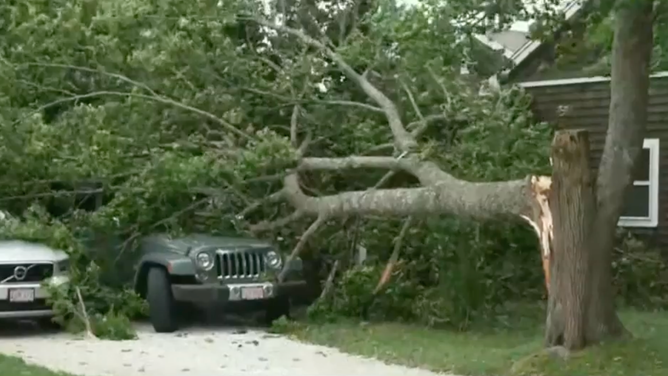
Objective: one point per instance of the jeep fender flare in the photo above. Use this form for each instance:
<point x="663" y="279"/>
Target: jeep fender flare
<point x="174" y="264"/>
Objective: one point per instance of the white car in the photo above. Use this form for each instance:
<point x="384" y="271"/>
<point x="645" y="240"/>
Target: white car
<point x="24" y="269"/>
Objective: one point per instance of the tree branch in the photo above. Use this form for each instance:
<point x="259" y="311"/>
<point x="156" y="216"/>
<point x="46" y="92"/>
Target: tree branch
<point x="403" y="140"/>
<point x="329" y="282"/>
<point x="352" y="162"/>
<point x="335" y="102"/>
<point x="301" y="243"/>
<point x="271" y="225"/>
<point x="274" y="197"/>
<point x="416" y="108"/>
<point x="155" y="98"/>
<point x="84" y="315"/>
<point x="451" y="196"/>
<point x="117" y="76"/>
<point x="439" y="80"/>
<point x="417" y="129"/>
<point x="301" y="149"/>
<point x="347" y="103"/>
<point x="293" y="126"/>
<point x="398" y="241"/>
<point x="427" y="172"/>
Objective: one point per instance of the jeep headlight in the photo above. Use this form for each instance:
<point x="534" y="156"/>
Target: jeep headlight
<point x="204" y="260"/>
<point x="274" y="260"/>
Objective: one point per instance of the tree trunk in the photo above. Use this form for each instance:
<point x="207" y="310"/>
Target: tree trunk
<point x="581" y="309"/>
<point x="573" y="206"/>
<point x="631" y="55"/>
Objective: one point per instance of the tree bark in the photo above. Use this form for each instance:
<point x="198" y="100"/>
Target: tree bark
<point x="573" y="207"/>
<point x="447" y="196"/>
<point x="631" y="55"/>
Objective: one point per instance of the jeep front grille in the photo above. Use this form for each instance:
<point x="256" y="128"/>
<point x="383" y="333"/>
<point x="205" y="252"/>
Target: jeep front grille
<point x="29" y="272"/>
<point x="241" y="264"/>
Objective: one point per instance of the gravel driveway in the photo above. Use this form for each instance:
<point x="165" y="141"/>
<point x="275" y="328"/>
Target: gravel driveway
<point x="198" y="351"/>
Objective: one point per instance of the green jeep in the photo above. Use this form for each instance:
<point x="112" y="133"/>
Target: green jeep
<point x="201" y="270"/>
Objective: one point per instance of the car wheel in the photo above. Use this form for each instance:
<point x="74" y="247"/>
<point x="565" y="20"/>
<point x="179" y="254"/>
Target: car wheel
<point x="277" y="308"/>
<point x="161" y="307"/>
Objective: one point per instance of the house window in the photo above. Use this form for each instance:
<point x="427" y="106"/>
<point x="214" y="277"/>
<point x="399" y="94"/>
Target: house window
<point x="641" y="207"/>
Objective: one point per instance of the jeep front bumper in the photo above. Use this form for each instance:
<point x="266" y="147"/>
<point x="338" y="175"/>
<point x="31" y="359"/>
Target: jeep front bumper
<point x="237" y="292"/>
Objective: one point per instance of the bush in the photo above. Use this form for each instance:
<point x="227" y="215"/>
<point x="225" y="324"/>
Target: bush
<point x="451" y="273"/>
<point x="471" y="274"/>
<point x="640" y="273"/>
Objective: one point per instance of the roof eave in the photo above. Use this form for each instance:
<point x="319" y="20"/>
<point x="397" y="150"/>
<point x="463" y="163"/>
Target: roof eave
<point x="528" y="48"/>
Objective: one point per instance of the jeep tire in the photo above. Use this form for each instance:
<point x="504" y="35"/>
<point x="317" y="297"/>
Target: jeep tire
<point x="161" y="306"/>
<point x="276" y="308"/>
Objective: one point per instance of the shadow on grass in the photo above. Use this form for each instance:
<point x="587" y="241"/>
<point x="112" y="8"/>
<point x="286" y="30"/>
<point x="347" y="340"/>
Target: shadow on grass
<point x="512" y="346"/>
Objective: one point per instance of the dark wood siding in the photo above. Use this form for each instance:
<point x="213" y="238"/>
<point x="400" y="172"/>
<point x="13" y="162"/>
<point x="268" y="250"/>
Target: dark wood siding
<point x="587" y="107"/>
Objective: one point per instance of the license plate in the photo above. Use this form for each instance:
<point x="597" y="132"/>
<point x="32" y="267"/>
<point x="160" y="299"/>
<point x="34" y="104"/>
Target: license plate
<point x="252" y="293"/>
<point x="21" y="295"/>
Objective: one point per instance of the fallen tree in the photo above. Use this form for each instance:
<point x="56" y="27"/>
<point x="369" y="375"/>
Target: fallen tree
<point x="145" y="123"/>
<point x="576" y="230"/>
<point x="180" y="119"/>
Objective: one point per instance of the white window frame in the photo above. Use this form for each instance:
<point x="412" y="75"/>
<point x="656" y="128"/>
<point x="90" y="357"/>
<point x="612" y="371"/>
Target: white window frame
<point x="653" y="183"/>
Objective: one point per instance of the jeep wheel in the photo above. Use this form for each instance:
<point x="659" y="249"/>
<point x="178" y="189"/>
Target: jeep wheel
<point x="161" y="307"/>
<point x="277" y="307"/>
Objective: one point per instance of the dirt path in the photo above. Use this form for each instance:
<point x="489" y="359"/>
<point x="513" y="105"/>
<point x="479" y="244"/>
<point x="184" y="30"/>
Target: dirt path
<point x="197" y="351"/>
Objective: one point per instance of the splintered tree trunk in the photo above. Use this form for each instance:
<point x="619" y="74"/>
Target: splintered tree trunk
<point x="573" y="207"/>
<point x="585" y="211"/>
<point x="581" y="308"/>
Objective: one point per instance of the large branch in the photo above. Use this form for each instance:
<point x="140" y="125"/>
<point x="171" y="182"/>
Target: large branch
<point x="404" y="141"/>
<point x="427" y="172"/>
<point x="453" y="196"/>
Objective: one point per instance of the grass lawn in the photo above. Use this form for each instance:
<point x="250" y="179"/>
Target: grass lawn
<point x="511" y="349"/>
<point x="13" y="366"/>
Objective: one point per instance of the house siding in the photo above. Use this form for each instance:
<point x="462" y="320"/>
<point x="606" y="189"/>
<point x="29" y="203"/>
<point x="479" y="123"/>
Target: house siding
<point x="588" y="107"/>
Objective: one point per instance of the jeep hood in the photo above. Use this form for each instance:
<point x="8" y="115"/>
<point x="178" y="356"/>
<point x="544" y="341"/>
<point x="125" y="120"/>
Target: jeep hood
<point x="182" y="244"/>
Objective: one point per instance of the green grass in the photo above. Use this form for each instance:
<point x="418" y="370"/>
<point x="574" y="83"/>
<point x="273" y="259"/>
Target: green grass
<point x="511" y="349"/>
<point x="13" y="366"/>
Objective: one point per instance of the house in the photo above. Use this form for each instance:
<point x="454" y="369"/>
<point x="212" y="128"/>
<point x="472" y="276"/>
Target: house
<point x="583" y="103"/>
<point x="518" y="49"/>
<point x="573" y="98"/>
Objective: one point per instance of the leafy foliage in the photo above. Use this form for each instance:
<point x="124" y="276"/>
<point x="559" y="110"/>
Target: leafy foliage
<point x="585" y="42"/>
<point x="121" y="118"/>
<point x="640" y="273"/>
